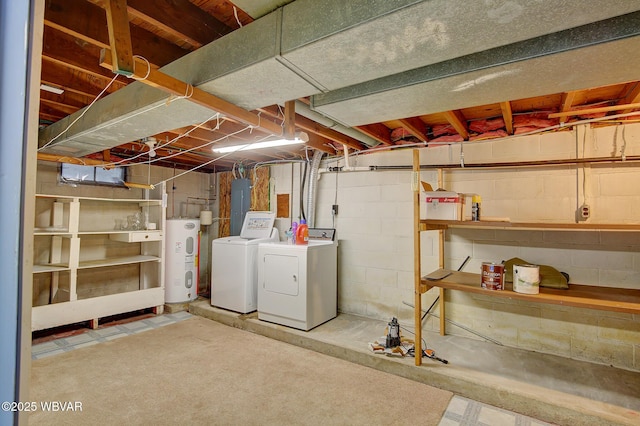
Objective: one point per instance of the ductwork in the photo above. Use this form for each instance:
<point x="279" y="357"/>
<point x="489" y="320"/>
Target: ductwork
<point x="305" y="111"/>
<point x="591" y="55"/>
<point x="331" y="48"/>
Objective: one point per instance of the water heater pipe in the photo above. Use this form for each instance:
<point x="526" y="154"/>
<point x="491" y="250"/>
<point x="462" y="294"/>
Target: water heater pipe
<point x="312" y="191"/>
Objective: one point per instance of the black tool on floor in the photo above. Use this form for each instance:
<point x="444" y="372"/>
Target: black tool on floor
<point x="393" y="335"/>
<point x="430" y="353"/>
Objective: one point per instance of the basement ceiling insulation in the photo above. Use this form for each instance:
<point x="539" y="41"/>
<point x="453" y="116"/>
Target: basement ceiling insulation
<point x="362" y="61"/>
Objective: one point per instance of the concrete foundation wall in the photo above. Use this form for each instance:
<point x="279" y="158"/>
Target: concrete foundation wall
<point x="376" y="244"/>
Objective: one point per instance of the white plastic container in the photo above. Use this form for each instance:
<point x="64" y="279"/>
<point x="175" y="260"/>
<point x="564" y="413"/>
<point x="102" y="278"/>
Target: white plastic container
<point x="526" y="279"/>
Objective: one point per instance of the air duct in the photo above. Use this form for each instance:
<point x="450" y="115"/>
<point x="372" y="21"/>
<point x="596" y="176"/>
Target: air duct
<point x="318" y="48"/>
<point x="304" y="110"/>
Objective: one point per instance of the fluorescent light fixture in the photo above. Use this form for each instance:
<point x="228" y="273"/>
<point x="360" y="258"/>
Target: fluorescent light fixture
<point x="56" y="90"/>
<point x="300" y="138"/>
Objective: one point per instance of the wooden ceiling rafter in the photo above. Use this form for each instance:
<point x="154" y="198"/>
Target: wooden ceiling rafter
<point x="416" y="127"/>
<point x="595" y="110"/>
<point x="181" y="19"/>
<point x="507" y="116"/>
<point x="458" y="121"/>
<point x="65" y="51"/>
<point x="77" y="19"/>
<point x="632" y="97"/>
<point x="567" y="101"/>
<point x="119" y="37"/>
<point x="377" y="131"/>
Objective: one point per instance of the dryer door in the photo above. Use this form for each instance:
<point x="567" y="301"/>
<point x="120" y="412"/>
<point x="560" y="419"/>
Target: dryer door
<point x="281" y="274"/>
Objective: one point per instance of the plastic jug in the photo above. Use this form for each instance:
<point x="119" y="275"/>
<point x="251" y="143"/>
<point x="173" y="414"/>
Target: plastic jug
<point x="302" y="233"/>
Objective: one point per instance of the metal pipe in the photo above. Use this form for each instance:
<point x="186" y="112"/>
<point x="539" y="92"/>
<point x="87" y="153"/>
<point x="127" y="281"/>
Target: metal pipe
<point x="313" y="184"/>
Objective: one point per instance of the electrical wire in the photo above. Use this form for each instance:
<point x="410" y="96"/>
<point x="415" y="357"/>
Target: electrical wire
<point x="129" y="160"/>
<point x="235" y="13"/>
<point x="304" y="179"/>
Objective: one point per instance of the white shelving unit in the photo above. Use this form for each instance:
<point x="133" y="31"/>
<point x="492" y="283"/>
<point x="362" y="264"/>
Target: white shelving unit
<point x="86" y="266"/>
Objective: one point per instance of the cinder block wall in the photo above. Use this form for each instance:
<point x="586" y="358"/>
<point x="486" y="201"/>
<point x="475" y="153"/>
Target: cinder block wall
<point x="376" y="244"/>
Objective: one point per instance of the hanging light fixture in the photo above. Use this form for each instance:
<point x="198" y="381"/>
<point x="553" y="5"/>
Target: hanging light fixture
<point x="151" y="143"/>
<point x="301" y="137"/>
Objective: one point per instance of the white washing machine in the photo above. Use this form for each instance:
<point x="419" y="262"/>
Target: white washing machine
<point x="234" y="271"/>
<point x="298" y="284"/>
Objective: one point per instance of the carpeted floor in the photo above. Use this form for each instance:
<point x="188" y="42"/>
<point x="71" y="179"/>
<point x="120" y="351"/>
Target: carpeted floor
<point x="198" y="371"/>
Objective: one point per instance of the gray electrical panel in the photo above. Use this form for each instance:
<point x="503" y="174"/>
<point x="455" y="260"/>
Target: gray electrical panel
<point x="240" y="203"/>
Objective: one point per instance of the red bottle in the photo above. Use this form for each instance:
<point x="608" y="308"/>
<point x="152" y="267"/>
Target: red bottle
<point x="302" y="233"/>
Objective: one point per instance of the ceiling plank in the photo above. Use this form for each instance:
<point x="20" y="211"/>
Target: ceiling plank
<point x="567" y="100"/>
<point x="119" y="37"/>
<point x="507" y="116"/>
<point x="631" y="98"/>
<point x="180" y="18"/>
<point x="74" y="81"/>
<point x="594" y="110"/>
<point x="416" y="127"/>
<point x="289" y="119"/>
<point x="79" y="19"/>
<point x="65" y="50"/>
<point x="59" y="106"/>
<point x="377" y="131"/>
<point x="176" y="87"/>
<point x="457" y="120"/>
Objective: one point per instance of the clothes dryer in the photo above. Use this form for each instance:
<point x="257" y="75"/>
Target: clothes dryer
<point x="297" y="284"/>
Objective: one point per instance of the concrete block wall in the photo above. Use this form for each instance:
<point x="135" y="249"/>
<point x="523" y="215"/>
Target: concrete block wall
<point x="376" y="242"/>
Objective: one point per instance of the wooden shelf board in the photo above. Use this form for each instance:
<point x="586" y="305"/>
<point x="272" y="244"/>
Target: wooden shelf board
<point x="444" y="224"/>
<point x="37" y="269"/>
<point x="51" y="232"/>
<point x="99" y="263"/>
<point x="582" y="296"/>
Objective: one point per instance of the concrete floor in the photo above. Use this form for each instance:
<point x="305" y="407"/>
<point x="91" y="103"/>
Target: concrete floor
<point x="546" y="387"/>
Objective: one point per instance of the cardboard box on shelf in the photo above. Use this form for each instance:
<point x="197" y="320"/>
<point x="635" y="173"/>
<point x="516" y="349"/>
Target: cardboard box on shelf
<point x="443" y="205"/>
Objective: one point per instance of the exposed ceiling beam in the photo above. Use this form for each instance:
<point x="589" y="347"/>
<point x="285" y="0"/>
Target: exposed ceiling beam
<point x="377" y="131"/>
<point x="119" y="37"/>
<point x="507" y="116"/>
<point x="75" y="81"/>
<point x="567" y="100"/>
<point x="59" y="106"/>
<point x="632" y="97"/>
<point x="457" y="120"/>
<point x="79" y="19"/>
<point x="595" y="110"/>
<point x="289" y="130"/>
<point x="71" y="160"/>
<point x="416" y="127"/>
<point x="66" y="51"/>
<point x="181" y="19"/>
